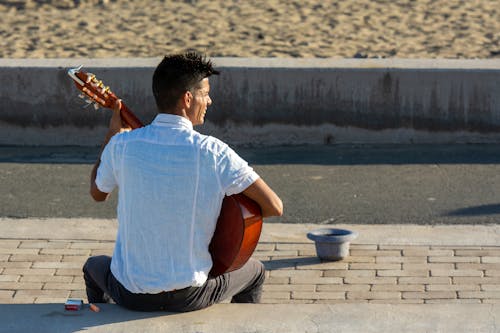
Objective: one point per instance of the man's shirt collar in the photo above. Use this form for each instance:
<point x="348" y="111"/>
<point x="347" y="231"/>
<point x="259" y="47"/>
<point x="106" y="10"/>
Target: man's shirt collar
<point x="166" y="119"/>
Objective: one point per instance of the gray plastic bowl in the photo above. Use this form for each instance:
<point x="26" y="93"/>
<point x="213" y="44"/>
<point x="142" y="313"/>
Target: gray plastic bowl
<point x="332" y="244"/>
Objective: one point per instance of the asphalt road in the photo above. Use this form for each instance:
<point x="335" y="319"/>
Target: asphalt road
<point x="417" y="184"/>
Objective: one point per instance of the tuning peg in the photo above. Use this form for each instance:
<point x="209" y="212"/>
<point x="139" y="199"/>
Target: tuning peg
<point x="82" y="96"/>
<point x="88" y="102"/>
<point x="96" y="106"/>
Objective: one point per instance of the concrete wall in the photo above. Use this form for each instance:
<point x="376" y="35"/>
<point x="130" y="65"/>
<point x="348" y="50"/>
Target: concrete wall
<point x="269" y="101"/>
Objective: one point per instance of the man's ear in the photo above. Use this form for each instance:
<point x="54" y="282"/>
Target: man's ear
<point x="187" y="99"/>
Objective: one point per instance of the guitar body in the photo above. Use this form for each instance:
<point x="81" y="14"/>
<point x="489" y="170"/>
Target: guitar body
<point x="240" y="221"/>
<point x="236" y="234"/>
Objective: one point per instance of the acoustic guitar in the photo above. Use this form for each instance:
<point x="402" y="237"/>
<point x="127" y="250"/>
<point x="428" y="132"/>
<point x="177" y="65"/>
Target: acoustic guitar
<point x="240" y="221"/>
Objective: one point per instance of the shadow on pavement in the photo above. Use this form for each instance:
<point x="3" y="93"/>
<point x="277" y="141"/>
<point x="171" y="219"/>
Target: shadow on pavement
<point x="53" y="317"/>
<point x="290" y="262"/>
<point x="490" y="209"/>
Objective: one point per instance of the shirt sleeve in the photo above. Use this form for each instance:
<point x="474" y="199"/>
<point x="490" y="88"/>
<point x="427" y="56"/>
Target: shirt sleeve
<point x="106" y="174"/>
<point x="235" y="174"/>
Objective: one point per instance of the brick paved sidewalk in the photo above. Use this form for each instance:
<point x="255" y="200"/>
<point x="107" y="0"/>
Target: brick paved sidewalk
<point x="48" y="271"/>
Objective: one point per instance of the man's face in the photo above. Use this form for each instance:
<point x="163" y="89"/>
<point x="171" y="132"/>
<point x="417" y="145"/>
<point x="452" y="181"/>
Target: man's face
<point x="201" y="100"/>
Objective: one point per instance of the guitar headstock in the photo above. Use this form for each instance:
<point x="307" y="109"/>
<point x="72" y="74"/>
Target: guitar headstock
<point x="93" y="88"/>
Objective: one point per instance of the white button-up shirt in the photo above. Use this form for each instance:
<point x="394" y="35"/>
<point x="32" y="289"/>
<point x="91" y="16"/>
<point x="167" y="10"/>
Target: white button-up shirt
<point x="171" y="182"/>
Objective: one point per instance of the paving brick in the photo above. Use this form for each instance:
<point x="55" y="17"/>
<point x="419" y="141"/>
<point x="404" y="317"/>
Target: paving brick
<point x="490" y="301"/>
<point x="396" y="301"/>
<point x="297" y="273"/>
<point x="429" y="294"/>
<point x="276" y="295"/>
<point x="277" y="280"/>
<point x="391" y="247"/>
<point x="46" y="278"/>
<point x="343" y="287"/>
<point x="79" y="294"/>
<point x="109" y="252"/>
<point x="294" y="246"/>
<point x="67" y="252"/>
<point x="57" y="265"/>
<point x="370" y="280"/>
<point x="373" y="295"/>
<point x="77" y="279"/>
<point x="15" y="264"/>
<point x="28" y="271"/>
<point x="6" y="294"/>
<point x="375" y="253"/>
<point x="340" y="301"/>
<point x="318" y="295"/>
<point x="9" y="243"/>
<point x="453" y="301"/>
<point x="35" y="257"/>
<point x="4" y="257"/>
<point x="476" y="280"/>
<point x="402" y="272"/>
<point x="289" y="287"/>
<point x="42" y="293"/>
<point x="425" y="252"/>
<point x="51" y="300"/>
<point x="456" y="272"/>
<point x="478" y="253"/>
<point x="490" y="260"/>
<point x="397" y="287"/>
<point x="325" y="265"/>
<point x="356" y="265"/>
<point x="92" y="245"/>
<point x="63" y="286"/>
<point x="364" y="247"/>
<point x="23" y="299"/>
<point x="350" y="273"/>
<point x="455" y="248"/>
<point x="307" y="252"/>
<point x="454" y="259"/>
<point x="272" y="265"/>
<point x="265" y="247"/>
<point x="71" y="258"/>
<point x="411" y="266"/>
<point x="69" y="271"/>
<point x="476" y="266"/>
<point x="479" y="294"/>
<point x="414" y="260"/>
<point x="316" y="280"/>
<point x="286" y="301"/>
<point x="39" y="244"/>
<point x="452" y="287"/>
<point x="492" y="272"/>
<point x="19" y="251"/>
<point x="287" y="253"/>
<point x="350" y="259"/>
<point x="424" y="280"/>
<point x="9" y="278"/>
<point x="20" y="285"/>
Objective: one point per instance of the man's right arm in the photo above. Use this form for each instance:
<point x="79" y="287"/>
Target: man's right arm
<point x="268" y="201"/>
<point x="116" y="125"/>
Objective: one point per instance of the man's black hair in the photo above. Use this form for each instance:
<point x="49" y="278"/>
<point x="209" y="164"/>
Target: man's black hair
<point x="177" y="74"/>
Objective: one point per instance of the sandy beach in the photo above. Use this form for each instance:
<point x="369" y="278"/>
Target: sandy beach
<point x="255" y="28"/>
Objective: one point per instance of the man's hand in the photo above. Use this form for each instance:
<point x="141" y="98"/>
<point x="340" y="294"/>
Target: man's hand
<point x="116" y="124"/>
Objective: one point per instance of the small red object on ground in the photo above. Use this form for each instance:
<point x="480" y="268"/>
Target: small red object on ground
<point x="73" y="304"/>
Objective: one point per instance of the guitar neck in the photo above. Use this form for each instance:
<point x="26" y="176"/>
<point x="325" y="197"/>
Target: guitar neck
<point x="129" y="117"/>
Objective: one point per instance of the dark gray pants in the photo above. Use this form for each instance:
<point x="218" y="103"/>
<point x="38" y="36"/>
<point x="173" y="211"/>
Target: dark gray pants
<point x="242" y="286"/>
